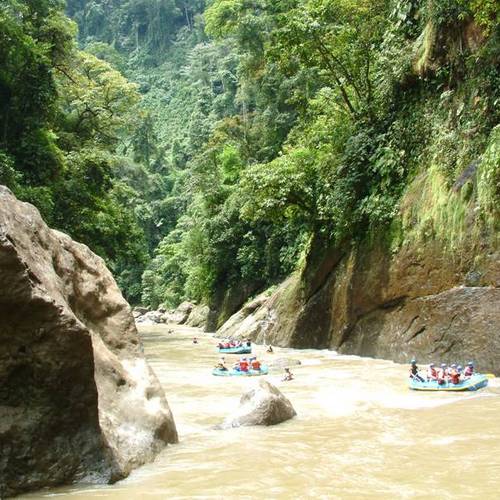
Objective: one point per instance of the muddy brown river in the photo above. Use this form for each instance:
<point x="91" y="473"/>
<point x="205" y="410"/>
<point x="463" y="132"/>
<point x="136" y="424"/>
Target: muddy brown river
<point x="359" y="433"/>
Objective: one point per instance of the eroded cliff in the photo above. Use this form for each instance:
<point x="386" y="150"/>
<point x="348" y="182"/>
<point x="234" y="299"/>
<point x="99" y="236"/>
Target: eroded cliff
<point x="394" y="296"/>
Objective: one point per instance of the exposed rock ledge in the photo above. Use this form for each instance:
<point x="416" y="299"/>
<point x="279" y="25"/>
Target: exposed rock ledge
<point x="418" y="302"/>
<point x="185" y="314"/>
<point x="77" y="399"/>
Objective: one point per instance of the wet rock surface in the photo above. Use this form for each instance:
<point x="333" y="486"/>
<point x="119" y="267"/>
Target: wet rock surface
<point x="139" y="311"/>
<point x="151" y="318"/>
<point x="186" y="313"/>
<point x="371" y="302"/>
<point x="259" y="320"/>
<point x="181" y="314"/>
<point x="77" y="398"/>
<point x="262" y="405"/>
<point x="198" y="316"/>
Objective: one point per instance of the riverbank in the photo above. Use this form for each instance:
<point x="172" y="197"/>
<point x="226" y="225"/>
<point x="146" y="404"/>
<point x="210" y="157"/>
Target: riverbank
<point x="353" y="437"/>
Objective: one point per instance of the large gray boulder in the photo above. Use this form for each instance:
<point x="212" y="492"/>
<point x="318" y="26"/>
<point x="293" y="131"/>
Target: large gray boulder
<point x="137" y="312"/>
<point x="181" y="314"/>
<point x="198" y="316"/>
<point x="152" y="318"/>
<point x="77" y="399"/>
<point x="262" y="405"/>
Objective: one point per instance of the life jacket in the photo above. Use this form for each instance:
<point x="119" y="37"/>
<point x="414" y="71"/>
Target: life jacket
<point x="454" y="376"/>
<point x="469" y="371"/>
<point x="244" y="366"/>
<point x="432" y="373"/>
<point x="442" y="374"/>
<point x="255" y="364"/>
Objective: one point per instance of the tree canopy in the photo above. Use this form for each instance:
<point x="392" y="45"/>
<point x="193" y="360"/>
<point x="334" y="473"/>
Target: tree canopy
<point x="202" y="147"/>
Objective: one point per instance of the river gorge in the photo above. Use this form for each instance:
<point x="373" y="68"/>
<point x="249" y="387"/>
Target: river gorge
<point x="359" y="432"/>
<point x="321" y="176"/>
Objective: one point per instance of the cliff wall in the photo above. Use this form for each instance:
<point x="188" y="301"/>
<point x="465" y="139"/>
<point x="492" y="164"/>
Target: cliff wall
<point x="395" y="295"/>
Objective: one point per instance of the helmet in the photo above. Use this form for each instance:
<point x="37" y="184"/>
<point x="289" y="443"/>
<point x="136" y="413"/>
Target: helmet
<point x="453" y="365"/>
<point x="443" y="365"/>
<point x="432" y="365"/>
<point x="470" y="363"/>
<point x="413" y="361"/>
<point x="459" y="367"/>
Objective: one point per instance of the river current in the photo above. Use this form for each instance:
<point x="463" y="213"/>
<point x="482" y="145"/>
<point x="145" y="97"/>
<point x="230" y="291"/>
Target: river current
<point x="359" y="433"/>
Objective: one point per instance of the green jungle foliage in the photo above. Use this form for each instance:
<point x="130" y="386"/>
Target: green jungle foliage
<point x="251" y="129"/>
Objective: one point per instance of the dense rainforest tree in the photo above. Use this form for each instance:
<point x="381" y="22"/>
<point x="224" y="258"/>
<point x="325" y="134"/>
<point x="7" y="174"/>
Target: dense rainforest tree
<point x="252" y="132"/>
<point x="352" y="100"/>
<point x="63" y="116"/>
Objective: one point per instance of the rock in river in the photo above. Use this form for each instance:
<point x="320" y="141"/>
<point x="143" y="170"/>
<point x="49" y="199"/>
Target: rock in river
<point x="181" y="314"/>
<point x="198" y="316"/>
<point x="77" y="399"/>
<point x="262" y="405"/>
<point x="151" y="318"/>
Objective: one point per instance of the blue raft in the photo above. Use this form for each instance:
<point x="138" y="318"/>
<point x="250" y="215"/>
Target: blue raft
<point x="264" y="370"/>
<point x="471" y="384"/>
<point x="242" y="349"/>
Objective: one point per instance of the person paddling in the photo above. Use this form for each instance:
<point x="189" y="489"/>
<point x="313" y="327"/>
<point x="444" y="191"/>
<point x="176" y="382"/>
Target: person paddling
<point x="414" y="371"/>
<point x="287" y="376"/>
<point x="221" y="365"/>
<point x="243" y="365"/>
<point x="270" y="349"/>
<point x="454" y="375"/>
<point x="442" y="374"/>
<point x="255" y="364"/>
<point x="469" y="370"/>
<point x="432" y="373"/>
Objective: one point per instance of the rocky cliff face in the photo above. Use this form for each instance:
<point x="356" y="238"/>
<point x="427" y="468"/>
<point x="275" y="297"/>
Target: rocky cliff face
<point x="77" y="398"/>
<point x="419" y="301"/>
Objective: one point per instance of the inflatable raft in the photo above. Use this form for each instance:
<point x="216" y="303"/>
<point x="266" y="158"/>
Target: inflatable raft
<point x="264" y="370"/>
<point x="242" y="349"/>
<point x="471" y="384"/>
